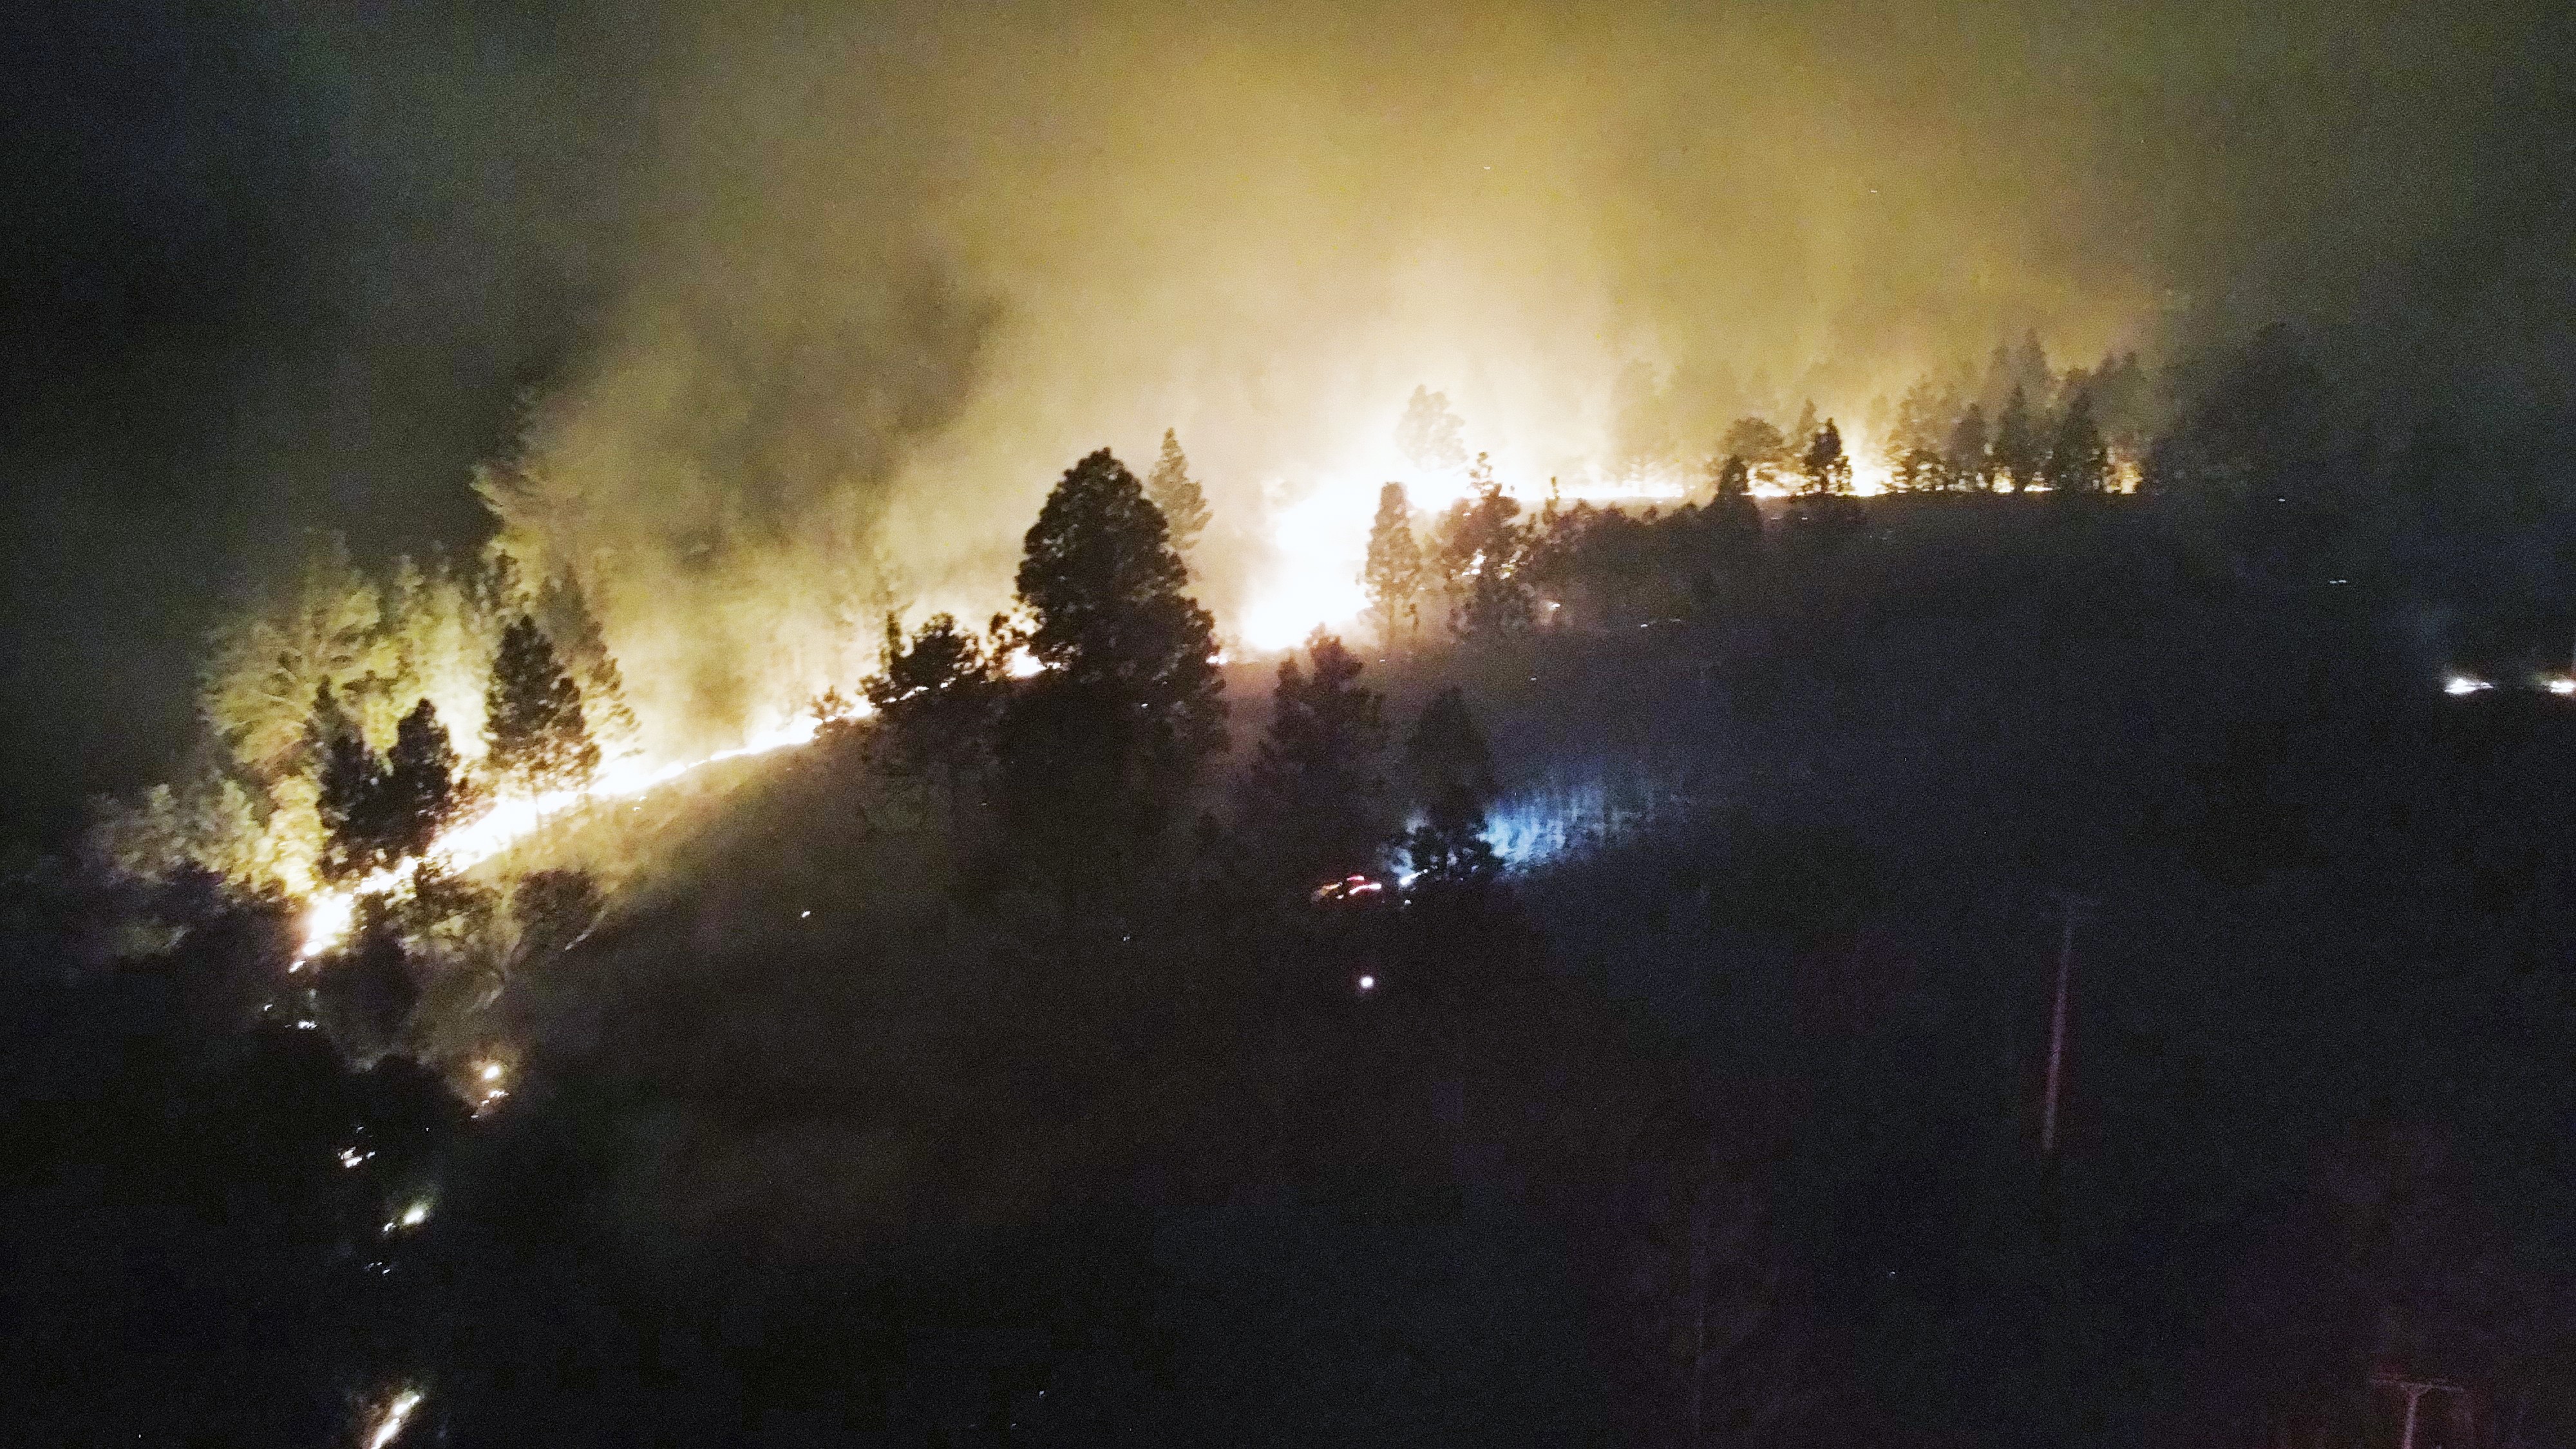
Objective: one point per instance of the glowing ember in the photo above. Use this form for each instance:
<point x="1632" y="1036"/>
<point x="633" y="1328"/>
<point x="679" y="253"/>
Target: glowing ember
<point x="351" y="1157"/>
<point x="391" y="1422"/>
<point x="489" y="1075"/>
<point x="2459" y="684"/>
<point x="412" y="1216"/>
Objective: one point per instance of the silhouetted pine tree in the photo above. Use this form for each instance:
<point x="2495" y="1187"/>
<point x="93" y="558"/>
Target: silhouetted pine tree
<point x="1393" y="575"/>
<point x="573" y="630"/>
<point x="266" y="661"/>
<point x="1824" y="510"/>
<point x="534" y="730"/>
<point x="1177" y="494"/>
<point x="2124" y="404"/>
<point x="423" y="788"/>
<point x="1313" y="789"/>
<point x="1920" y="416"/>
<point x="1732" y="478"/>
<point x="1919" y="470"/>
<point x="2078" y="460"/>
<point x="1826" y="467"/>
<point x="1129" y="702"/>
<point x="2030" y="369"/>
<point x="348" y="780"/>
<point x="1968" y="465"/>
<point x="1453" y="775"/>
<point x="935" y="695"/>
<point x="2017" y="453"/>
<point x="1758" y="443"/>
<point x="1480" y="551"/>
<point x="1732" y="519"/>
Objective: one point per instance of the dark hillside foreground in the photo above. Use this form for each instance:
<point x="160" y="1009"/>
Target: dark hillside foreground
<point x="2316" y="991"/>
<point x="851" y="1132"/>
<point x="924" y="1142"/>
<point x="857" y="1119"/>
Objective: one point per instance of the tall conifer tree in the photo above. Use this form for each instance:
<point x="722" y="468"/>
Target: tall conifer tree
<point x="1393" y="575"/>
<point x="1177" y="494"/>
<point x="1313" y="786"/>
<point x="534" y="729"/>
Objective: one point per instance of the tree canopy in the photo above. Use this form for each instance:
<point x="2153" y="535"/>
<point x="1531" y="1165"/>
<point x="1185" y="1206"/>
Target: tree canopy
<point x="1177" y="494"/>
<point x="534" y="730"/>
<point x="348" y="779"/>
<point x="2018" y="450"/>
<point x="1393" y="573"/>
<point x="935" y="694"/>
<point x="1826" y="467"/>
<point x="1453" y="779"/>
<point x="2078" y="460"/>
<point x="1480" y="551"/>
<point x="1128" y="701"/>
<point x="1313" y="785"/>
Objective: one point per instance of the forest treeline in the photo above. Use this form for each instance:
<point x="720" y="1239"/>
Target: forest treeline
<point x="353" y="719"/>
<point x="2257" y="459"/>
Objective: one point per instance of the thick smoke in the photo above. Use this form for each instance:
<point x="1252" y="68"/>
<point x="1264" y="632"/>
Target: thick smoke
<point x="811" y="302"/>
<point x="902" y="265"/>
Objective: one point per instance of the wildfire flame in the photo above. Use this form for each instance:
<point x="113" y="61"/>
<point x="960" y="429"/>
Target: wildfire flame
<point x="328" y="914"/>
<point x="1317" y="536"/>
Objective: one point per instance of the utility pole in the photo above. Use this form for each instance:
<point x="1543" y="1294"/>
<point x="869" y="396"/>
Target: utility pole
<point x="2072" y="908"/>
<point x="2414" y="1390"/>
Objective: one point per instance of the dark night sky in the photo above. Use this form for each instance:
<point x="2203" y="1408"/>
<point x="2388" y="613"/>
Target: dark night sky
<point x="279" y="265"/>
<point x="255" y="284"/>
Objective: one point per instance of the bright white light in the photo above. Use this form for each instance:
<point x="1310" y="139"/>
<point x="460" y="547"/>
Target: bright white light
<point x="1316" y="533"/>
<point x="1368" y="983"/>
<point x="1317" y="546"/>
<point x="326" y="921"/>
<point x="351" y="1157"/>
<point x="396" y="1415"/>
<point x="2559" y="684"/>
<point x="1021" y="664"/>
<point x="2459" y="684"/>
<point x="490" y="1072"/>
<point x="412" y="1216"/>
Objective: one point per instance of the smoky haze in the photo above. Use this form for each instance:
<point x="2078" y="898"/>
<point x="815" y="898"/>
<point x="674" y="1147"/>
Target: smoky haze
<point x="776" y="315"/>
